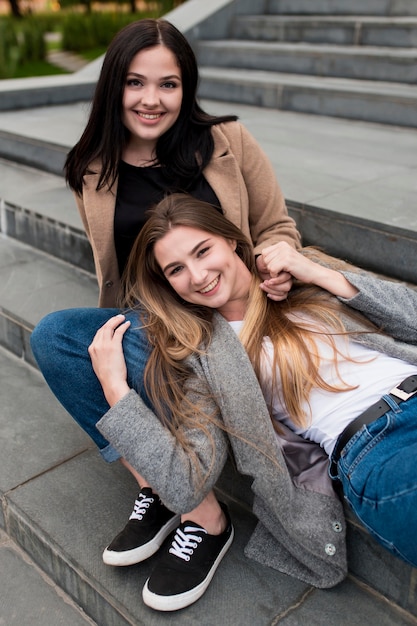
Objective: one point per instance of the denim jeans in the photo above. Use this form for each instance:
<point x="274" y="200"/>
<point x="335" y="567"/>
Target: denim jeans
<point x="378" y="472"/>
<point x="60" y="345"/>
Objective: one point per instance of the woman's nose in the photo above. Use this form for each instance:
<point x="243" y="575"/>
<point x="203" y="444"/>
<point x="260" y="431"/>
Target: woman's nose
<point x="150" y="96"/>
<point x="198" y="275"/>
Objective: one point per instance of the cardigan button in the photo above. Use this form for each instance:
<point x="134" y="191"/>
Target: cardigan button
<point x="109" y="283"/>
<point x="337" y="527"/>
<point x="330" y="549"/>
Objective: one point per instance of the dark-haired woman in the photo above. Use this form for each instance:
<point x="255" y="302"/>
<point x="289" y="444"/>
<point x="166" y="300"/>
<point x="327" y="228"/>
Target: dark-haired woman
<point x="146" y="137"/>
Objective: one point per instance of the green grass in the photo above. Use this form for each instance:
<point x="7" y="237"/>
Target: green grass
<point x="38" y="68"/>
<point x="91" y="55"/>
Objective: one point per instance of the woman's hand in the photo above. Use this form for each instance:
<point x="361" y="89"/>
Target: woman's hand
<point x="281" y="259"/>
<point x="107" y="358"/>
<point x="276" y="286"/>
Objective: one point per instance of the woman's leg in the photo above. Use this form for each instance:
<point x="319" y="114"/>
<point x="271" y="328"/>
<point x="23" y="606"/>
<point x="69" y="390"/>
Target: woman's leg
<point x="60" y="345"/>
<point x="378" y="474"/>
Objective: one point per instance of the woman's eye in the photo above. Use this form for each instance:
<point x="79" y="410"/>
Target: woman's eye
<point x="133" y="82"/>
<point x="169" y="85"/>
<point x="175" y="270"/>
<point x="202" y="251"/>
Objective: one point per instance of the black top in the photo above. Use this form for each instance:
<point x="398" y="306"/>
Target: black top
<point x="139" y="188"/>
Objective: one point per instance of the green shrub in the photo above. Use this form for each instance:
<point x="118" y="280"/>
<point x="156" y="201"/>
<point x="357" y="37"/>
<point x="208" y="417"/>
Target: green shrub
<point x="9" y="49"/>
<point x="33" y="47"/>
<point x="84" y="32"/>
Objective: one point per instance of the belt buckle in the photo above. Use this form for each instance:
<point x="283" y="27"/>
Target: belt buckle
<point x="401" y="394"/>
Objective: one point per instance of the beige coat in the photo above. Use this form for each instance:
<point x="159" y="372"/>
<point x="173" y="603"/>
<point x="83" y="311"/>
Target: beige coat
<point x="241" y="176"/>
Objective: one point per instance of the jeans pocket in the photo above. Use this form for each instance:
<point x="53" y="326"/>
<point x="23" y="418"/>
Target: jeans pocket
<point x="361" y="452"/>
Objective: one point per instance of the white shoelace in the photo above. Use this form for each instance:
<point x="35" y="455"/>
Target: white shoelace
<point x="185" y="542"/>
<point x="140" y="507"/>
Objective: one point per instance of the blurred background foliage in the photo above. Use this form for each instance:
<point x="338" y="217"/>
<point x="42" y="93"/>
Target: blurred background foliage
<point x="85" y="28"/>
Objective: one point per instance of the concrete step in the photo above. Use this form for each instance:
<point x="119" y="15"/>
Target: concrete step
<point x="29" y="595"/>
<point x="26" y="93"/>
<point x="350" y="62"/>
<point x="31" y="285"/>
<point x="341" y="30"/>
<point x="351" y="186"/>
<point x="61" y="504"/>
<point x="341" y="7"/>
<point x="370" y="101"/>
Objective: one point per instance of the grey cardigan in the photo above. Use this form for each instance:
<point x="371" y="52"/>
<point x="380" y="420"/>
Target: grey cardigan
<point x="301" y="528"/>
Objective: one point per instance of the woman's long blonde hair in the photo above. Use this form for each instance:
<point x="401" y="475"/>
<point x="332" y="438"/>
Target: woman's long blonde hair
<point x="177" y="329"/>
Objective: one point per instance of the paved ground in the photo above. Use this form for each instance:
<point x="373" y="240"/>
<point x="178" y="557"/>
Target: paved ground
<point x="54" y="485"/>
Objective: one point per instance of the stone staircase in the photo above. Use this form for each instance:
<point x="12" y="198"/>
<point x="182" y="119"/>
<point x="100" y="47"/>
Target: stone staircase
<point x="60" y="503"/>
<point x="354" y="60"/>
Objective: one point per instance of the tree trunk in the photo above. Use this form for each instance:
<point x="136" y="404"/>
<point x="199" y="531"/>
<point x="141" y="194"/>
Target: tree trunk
<point x="14" y="5"/>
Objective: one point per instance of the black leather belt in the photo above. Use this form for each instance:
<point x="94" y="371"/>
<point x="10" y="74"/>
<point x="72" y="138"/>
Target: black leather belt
<point x="400" y="393"/>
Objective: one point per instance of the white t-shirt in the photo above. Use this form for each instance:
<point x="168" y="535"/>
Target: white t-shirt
<point x="374" y="373"/>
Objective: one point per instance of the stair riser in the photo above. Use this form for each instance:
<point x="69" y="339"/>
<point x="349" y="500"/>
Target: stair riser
<point x="15" y="337"/>
<point x="64" y="573"/>
<point x="316" y="63"/>
<point x="47" y="235"/>
<point x="343" y="7"/>
<point x="314" y="31"/>
<point x="301" y="99"/>
<point x="45" y="96"/>
<point x="41" y="155"/>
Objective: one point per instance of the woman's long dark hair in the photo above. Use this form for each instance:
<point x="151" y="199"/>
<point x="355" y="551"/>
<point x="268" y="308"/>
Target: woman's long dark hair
<point x="184" y="150"/>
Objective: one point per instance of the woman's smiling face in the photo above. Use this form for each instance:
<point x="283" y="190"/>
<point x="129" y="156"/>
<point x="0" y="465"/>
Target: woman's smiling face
<point x="152" y="95"/>
<point x="204" y="269"/>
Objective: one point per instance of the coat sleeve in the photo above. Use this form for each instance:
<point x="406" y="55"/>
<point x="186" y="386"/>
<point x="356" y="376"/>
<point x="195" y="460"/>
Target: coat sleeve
<point x="268" y="217"/>
<point x="182" y="480"/>
<point x="392" y="306"/>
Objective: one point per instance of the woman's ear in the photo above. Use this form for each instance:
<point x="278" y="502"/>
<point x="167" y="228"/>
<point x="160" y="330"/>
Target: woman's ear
<point x="233" y="244"/>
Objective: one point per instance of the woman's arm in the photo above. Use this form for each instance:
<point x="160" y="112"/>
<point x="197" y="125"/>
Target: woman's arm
<point x="283" y="258"/>
<point x="181" y="479"/>
<point x="390" y="305"/>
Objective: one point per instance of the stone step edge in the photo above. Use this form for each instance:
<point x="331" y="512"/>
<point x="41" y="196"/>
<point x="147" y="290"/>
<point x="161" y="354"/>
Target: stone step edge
<point x="81" y="586"/>
<point x="29" y="93"/>
<point x="392" y="252"/>
<point x="355" y="31"/>
<point x="78" y="584"/>
<point x="52" y="237"/>
<point x="383" y="103"/>
<point x="388" y="64"/>
<point x="316" y="49"/>
<point x="342" y="235"/>
<point x="341" y="7"/>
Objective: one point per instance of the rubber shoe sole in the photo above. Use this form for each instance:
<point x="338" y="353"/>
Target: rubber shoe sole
<point x="181" y="600"/>
<point x="141" y="553"/>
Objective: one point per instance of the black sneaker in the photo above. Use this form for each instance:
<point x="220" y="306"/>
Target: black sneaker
<point x="186" y="566"/>
<point x="148" y="526"/>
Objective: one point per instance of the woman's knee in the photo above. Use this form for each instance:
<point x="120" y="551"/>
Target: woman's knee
<point x="66" y="331"/>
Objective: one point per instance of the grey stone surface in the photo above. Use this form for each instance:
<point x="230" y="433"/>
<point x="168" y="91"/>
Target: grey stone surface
<point x="353" y="7"/>
<point x="351" y="185"/>
<point x="39" y="192"/>
<point x="341" y="30"/>
<point x="348" y="605"/>
<point x="36" y="433"/>
<point x="32" y="284"/>
<point x="28" y="597"/>
<point x="67" y="504"/>
<point x="376" y="63"/>
<point x="390" y="103"/>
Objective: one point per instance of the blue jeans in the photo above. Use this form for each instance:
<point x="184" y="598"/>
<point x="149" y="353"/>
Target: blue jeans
<point x="60" y="345"/>
<point x="378" y="471"/>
